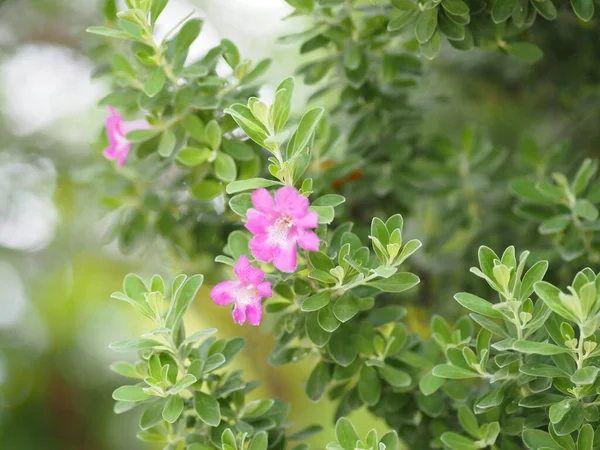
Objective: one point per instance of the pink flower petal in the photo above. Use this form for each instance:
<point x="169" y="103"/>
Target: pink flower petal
<point x="289" y="201"/>
<point x="264" y="289"/>
<point x="308" y="220"/>
<point x="257" y="222"/>
<point x="239" y="314"/>
<point x="286" y="259"/>
<point x="127" y="127"/>
<point x="261" y="249"/>
<point x="254" y="313"/>
<point x="111" y="152"/>
<point x="221" y="293"/>
<point x="124" y="153"/>
<point x="308" y="240"/>
<point x="263" y="201"/>
<point x="246" y="273"/>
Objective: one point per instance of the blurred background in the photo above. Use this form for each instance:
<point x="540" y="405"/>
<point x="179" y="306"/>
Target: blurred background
<point x="57" y="270"/>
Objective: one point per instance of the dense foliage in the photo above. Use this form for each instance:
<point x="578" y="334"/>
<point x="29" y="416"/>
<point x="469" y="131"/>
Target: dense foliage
<point x="361" y="196"/>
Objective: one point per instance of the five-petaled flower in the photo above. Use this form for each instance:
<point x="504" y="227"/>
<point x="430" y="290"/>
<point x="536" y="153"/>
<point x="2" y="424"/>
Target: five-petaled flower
<point x="247" y="292"/>
<point x="117" y="129"/>
<point x="279" y="225"/>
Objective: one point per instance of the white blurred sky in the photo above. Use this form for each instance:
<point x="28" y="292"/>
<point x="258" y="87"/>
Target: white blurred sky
<point x="46" y="87"/>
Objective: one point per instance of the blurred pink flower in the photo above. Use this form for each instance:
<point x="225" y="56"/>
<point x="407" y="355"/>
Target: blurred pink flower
<point x="247" y="293"/>
<point x="279" y="225"/>
<point x="117" y="129"/>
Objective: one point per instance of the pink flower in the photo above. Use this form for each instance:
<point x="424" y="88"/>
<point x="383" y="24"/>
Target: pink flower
<point x="279" y="225"/>
<point x="247" y="292"/>
<point x="117" y="129"/>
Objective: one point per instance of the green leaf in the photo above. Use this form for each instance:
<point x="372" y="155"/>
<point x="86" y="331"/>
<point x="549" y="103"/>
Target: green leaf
<point x="585" y="439"/>
<point x="315" y="333"/>
<point x="345" y="307"/>
<point x="156" y="9"/>
<point x="430" y="384"/>
<point x="304" y="133"/>
<point x="248" y="123"/>
<point x="326" y="213"/>
<point x="342" y="348"/>
<point x="183" y="382"/>
<point x="183" y="299"/>
<point x="321" y="261"/>
<point x="280" y="110"/>
<point x="538" y="348"/>
<point x="539" y="440"/>
<point x="588" y="168"/>
<point x="238" y="149"/>
<point x="584" y="9"/>
<point x="327" y="319"/>
<point x="477" y="304"/>
<point x="396" y="283"/>
<point x="206" y="190"/>
<point x="225" y="168"/>
<point x="187" y="35"/>
<point x="369" y="386"/>
<point x="346" y="434"/>
<point x="192" y="156"/>
<point x="453" y="372"/>
<point x="167" y="143"/>
<point x="241" y="203"/>
<point x="390" y="440"/>
<point x="409" y="248"/>
<point x="468" y="421"/>
<point x="533" y="275"/>
<point x="586" y="210"/>
<point x="228" y="441"/>
<point x="492" y="399"/>
<point x="173" y="408"/>
<point x="256" y="72"/>
<point x="259" y="441"/>
<point x="213" y="134"/>
<point x="317" y="381"/>
<point x="525" y="51"/>
<point x="125" y="369"/>
<point x="503" y="9"/>
<point x="456" y="7"/>
<point x="130" y="394"/>
<point x="586" y="375"/>
<point x="426" y="25"/>
<point x="451" y="29"/>
<point x="110" y="32"/>
<point x="207" y="408"/>
<point x="551" y="297"/>
<point x="396" y="377"/>
<point x="250" y="184"/>
<point x="546" y="9"/>
<point x="142" y="344"/>
<point x="431" y="48"/>
<point x="231" y="55"/>
<point x="526" y="189"/>
<point x="195" y="127"/>
<point x="457" y="442"/>
<point x="329" y="200"/>
<point x="572" y="419"/>
<point x="257" y="408"/>
<point x="155" y="83"/>
<point x="316" y="301"/>
<point x="542" y="370"/>
<point x="400" y="21"/>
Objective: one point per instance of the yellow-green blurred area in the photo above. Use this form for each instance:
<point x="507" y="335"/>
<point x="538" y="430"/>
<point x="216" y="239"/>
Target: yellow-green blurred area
<point x="56" y="270"/>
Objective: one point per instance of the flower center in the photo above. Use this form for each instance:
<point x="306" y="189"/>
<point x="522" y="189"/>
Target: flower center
<point x="246" y="294"/>
<point x="280" y="230"/>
